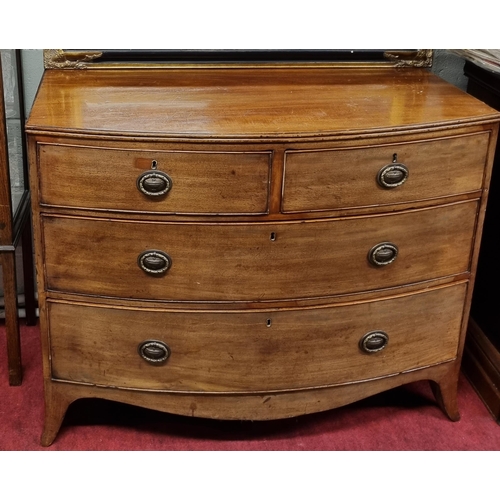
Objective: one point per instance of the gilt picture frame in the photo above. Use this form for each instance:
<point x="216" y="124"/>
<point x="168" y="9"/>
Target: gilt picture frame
<point x="226" y="58"/>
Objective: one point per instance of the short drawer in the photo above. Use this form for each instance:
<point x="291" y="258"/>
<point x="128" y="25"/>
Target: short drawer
<point x="255" y="262"/>
<point x="383" y="175"/>
<point x="134" y="180"/>
<point x="254" y="351"/>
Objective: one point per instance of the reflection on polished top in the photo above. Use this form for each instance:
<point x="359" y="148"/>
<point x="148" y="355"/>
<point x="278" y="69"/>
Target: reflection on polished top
<point x="249" y="103"/>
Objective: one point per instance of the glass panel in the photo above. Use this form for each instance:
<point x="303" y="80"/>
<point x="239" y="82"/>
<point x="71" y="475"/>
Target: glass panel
<point x="13" y="121"/>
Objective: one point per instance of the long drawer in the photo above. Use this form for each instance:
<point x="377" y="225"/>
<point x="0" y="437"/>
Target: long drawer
<point x="254" y="351"/>
<point x="383" y="175"/>
<point x="134" y="180"/>
<point x="255" y="262"/>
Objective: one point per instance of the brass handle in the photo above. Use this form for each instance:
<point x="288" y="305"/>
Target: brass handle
<point x="154" y="351"/>
<point x="154" y="261"/>
<point x="374" y="341"/>
<point x="383" y="254"/>
<point x="154" y="183"/>
<point x="393" y="175"/>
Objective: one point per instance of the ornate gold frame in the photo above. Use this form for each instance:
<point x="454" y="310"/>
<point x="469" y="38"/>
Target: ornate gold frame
<point x="83" y="59"/>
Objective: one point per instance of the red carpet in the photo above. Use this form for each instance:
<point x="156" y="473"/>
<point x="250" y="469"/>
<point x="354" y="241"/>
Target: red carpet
<point x="405" y="418"/>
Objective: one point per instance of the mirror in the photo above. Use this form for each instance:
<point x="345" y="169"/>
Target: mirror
<point x="126" y="58"/>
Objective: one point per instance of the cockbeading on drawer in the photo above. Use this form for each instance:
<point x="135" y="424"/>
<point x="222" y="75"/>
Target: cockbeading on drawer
<point x="136" y="180"/>
<point x="257" y="261"/>
<point x="252" y="351"/>
<point x="329" y="179"/>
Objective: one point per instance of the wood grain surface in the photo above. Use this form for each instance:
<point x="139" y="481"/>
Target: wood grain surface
<point x="254" y="351"/>
<point x="331" y="179"/>
<point x="202" y="182"/>
<point x="241" y="262"/>
<point x="248" y="104"/>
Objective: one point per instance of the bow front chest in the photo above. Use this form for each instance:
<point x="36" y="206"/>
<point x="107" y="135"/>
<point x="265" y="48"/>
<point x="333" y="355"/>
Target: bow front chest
<point x="254" y="243"/>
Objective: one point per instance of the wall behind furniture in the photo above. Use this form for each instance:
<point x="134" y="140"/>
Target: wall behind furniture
<point x="450" y="68"/>
<point x="32" y="73"/>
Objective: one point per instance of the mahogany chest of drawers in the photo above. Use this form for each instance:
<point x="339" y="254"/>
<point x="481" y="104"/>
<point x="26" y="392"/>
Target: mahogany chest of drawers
<point x="254" y="244"/>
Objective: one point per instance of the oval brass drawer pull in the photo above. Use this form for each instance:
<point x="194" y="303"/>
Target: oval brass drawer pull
<point x="154" y="351"/>
<point x="393" y="175"/>
<point x="154" y="261"/>
<point x="374" y="341"/>
<point x="383" y="254"/>
<point x="154" y="183"/>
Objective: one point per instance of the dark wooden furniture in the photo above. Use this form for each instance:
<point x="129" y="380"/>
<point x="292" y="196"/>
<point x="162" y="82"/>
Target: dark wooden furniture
<point x="15" y="226"/>
<point x="254" y="243"/>
<point x="482" y="351"/>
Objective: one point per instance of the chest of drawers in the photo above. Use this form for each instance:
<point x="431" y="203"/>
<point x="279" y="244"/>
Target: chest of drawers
<point x="254" y="244"/>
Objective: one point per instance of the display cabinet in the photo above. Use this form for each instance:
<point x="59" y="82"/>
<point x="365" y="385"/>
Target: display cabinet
<point x="482" y="352"/>
<point x="15" y="225"/>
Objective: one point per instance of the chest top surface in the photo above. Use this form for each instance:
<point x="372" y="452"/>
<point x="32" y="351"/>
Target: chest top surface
<point x="258" y="104"/>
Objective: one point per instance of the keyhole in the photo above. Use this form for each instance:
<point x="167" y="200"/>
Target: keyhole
<point x="268" y="324"/>
<point x="154" y="165"/>
<point x="395" y="158"/>
<point x="273" y="236"/>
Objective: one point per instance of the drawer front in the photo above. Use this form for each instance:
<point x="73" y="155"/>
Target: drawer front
<point x="255" y="262"/>
<point x="254" y="351"/>
<point x="344" y="178"/>
<point x="200" y="182"/>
